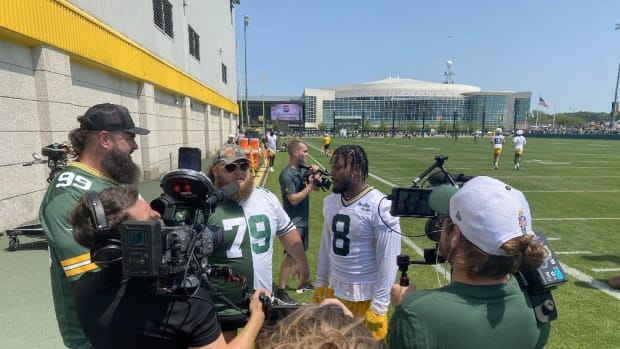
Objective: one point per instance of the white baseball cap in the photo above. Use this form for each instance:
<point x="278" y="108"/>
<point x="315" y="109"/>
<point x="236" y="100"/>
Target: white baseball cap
<point x="490" y="212"/>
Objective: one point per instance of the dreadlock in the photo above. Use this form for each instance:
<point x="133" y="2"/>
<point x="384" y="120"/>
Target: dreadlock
<point x="355" y="156"/>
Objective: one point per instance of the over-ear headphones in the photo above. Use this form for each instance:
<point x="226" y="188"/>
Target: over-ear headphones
<point x="105" y="249"/>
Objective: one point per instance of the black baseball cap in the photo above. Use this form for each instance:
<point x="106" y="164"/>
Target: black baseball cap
<point x="110" y="117"/>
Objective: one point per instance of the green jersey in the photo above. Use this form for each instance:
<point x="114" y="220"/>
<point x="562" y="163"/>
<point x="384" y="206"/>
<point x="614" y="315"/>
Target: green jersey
<point x="249" y="228"/>
<point x="68" y="259"/>
<point x="467" y="316"/>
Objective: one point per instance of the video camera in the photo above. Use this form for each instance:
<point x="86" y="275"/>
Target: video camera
<point x="413" y="202"/>
<point x="175" y="256"/>
<point x="324" y="183"/>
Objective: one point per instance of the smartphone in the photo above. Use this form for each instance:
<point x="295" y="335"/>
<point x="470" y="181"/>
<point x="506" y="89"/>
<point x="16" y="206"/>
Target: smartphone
<point x="411" y="202"/>
<point x="190" y="158"/>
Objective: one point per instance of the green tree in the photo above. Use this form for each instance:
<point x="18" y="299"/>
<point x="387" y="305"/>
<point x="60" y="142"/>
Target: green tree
<point x="383" y="127"/>
<point x="321" y="126"/>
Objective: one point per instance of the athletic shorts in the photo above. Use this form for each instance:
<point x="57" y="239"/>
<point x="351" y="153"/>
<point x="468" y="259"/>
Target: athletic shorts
<point x="357" y="308"/>
<point x="497" y="151"/>
<point x="303" y="233"/>
<point x="519" y="152"/>
<point x="326" y="146"/>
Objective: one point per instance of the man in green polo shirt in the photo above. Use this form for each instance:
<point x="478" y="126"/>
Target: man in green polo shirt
<point x="102" y="147"/>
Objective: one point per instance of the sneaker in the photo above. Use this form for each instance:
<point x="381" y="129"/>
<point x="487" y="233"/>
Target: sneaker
<point x="305" y="288"/>
<point x="518" y="166"/>
<point x="271" y="169"/>
<point x="282" y="298"/>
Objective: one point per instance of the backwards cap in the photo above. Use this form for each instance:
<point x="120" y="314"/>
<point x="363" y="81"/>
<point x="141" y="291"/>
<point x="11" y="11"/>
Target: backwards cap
<point x="487" y="211"/>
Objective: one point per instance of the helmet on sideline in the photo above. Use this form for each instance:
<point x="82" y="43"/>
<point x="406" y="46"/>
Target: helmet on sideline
<point x="519" y="132"/>
<point x="498" y="131"/>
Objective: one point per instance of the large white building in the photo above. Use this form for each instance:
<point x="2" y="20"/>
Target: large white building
<point x="402" y="103"/>
<point x="172" y="63"/>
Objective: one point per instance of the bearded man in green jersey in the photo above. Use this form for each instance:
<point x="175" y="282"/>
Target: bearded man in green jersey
<point x="250" y="220"/>
<point x="101" y="147"/>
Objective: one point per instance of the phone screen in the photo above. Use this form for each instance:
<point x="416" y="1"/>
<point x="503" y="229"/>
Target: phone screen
<point x="190" y="158"/>
<point x="411" y="202"/>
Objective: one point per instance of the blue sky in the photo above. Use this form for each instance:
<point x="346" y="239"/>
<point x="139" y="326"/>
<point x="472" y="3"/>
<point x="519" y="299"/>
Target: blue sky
<point x="565" y="51"/>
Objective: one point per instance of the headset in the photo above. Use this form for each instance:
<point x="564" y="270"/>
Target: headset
<point x="105" y="249"/>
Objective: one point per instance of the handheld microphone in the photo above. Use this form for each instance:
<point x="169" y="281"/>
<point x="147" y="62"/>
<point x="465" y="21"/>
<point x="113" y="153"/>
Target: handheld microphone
<point x="224" y="193"/>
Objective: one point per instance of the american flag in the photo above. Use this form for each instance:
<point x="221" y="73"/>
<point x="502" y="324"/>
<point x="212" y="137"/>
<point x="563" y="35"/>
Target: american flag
<point x="542" y="102"/>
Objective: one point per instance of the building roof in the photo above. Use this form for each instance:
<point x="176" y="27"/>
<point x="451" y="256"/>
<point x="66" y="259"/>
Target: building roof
<point x="395" y="86"/>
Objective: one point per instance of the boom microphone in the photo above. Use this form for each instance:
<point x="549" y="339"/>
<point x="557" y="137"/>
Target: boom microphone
<point x="224" y="193"/>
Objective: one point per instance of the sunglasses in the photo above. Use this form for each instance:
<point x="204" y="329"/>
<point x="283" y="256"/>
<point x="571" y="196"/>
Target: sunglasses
<point x="244" y="166"/>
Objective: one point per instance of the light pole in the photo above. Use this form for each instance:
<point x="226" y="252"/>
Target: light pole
<point x="246" y="22"/>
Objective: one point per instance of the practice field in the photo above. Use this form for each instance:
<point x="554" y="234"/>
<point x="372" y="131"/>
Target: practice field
<point x="572" y="187"/>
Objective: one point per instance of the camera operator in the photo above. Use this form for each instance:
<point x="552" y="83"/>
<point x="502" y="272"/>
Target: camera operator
<point x="486" y="239"/>
<point x="121" y="312"/>
<point x="102" y="147"/>
<point x="358" y="242"/>
<point x="296" y="184"/>
<point x="250" y="220"/>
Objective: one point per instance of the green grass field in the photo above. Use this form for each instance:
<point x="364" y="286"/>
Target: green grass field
<point x="572" y="188"/>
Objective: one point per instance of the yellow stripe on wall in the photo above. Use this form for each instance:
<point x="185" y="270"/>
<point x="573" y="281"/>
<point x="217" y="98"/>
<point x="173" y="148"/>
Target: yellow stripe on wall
<point x="58" y="23"/>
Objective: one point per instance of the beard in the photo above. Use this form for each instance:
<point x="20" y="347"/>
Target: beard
<point x="342" y="186"/>
<point x="245" y="189"/>
<point x="120" y="167"/>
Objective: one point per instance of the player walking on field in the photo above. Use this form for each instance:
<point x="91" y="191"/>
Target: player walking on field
<point x="519" y="142"/>
<point x="498" y="142"/>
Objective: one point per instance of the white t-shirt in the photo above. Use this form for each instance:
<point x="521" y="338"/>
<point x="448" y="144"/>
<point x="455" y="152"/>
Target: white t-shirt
<point x="272" y="142"/>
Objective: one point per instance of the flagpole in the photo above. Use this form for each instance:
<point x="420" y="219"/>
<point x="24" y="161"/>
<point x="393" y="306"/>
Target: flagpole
<point x="554" y="115"/>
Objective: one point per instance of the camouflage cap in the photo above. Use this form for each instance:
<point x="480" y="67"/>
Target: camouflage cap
<point x="227" y="154"/>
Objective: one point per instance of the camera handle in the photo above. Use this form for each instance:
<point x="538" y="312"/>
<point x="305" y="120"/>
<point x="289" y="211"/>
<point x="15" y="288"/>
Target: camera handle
<point x="403" y="261"/>
<point x="439" y="161"/>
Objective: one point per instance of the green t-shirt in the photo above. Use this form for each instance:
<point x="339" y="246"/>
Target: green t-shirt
<point x="467" y="316"/>
<point x="69" y="260"/>
<point x="292" y="181"/>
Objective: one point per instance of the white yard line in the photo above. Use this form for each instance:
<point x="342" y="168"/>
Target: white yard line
<point x="591" y="281"/>
<point x="573" y="252"/>
<point x="603" y="270"/>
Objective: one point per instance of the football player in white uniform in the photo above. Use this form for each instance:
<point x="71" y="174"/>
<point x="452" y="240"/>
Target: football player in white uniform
<point x="359" y="242"/>
<point x="497" y="141"/>
<point x="519" y="142"/>
<point x="250" y="220"/>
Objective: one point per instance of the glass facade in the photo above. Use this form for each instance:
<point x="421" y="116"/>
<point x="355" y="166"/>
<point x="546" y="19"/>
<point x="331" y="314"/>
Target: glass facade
<point x="486" y="112"/>
<point x="468" y="112"/>
<point x="310" y="108"/>
<point x="394" y="112"/>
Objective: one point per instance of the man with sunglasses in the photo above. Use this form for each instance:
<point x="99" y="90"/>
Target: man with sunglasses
<point x="250" y="220"/>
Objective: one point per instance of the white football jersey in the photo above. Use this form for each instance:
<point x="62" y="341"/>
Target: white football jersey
<point x="498" y="141"/>
<point x="357" y="258"/>
<point x="519" y="142"/>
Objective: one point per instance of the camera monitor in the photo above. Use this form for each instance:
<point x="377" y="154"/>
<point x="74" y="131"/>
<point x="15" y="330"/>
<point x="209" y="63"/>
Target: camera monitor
<point x="411" y="202"/>
<point x="190" y="158"/>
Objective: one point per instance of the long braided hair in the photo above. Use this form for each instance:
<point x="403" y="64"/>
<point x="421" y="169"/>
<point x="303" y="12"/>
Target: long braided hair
<point x="355" y="156"/>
